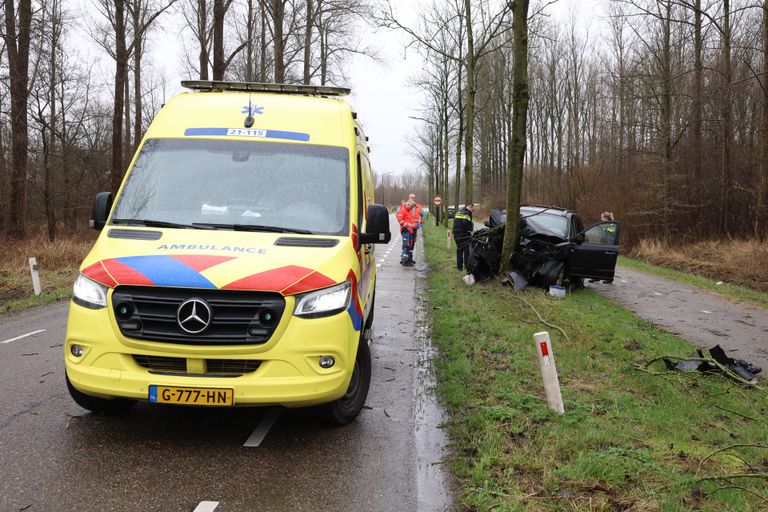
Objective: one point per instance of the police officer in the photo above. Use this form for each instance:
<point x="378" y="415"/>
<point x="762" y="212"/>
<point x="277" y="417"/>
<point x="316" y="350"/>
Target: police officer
<point x="462" y="234"/>
<point x="607" y="231"/>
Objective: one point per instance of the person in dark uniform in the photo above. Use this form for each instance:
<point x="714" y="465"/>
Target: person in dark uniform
<point x="462" y="234"/>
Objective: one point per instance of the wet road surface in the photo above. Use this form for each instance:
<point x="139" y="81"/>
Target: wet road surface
<point x="693" y="314"/>
<point x="57" y="457"/>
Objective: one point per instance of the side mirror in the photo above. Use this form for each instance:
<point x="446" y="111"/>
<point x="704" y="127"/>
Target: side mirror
<point x="377" y="229"/>
<point x="101" y="207"/>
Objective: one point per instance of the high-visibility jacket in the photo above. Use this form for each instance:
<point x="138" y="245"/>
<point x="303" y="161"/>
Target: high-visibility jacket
<point x="409" y="218"/>
<point x="462" y="224"/>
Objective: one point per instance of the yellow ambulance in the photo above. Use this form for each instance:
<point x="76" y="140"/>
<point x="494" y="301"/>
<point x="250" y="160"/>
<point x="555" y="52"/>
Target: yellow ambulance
<point x="235" y="266"/>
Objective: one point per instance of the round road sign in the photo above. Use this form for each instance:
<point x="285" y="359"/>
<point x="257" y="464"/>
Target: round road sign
<point x="437" y="200"/>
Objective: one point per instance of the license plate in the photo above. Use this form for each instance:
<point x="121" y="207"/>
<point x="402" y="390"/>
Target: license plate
<point x="191" y="396"/>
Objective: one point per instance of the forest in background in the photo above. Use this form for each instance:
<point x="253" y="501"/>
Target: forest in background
<point x="654" y="109"/>
<point x="65" y="134"/>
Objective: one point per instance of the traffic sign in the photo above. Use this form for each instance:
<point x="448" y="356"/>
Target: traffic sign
<point x="437" y="200"/>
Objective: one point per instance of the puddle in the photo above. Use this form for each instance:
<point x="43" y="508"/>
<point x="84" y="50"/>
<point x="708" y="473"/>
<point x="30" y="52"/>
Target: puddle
<point x="432" y="476"/>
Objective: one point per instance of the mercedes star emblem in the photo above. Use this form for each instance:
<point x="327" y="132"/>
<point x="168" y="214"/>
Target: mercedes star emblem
<point x="194" y="316"/>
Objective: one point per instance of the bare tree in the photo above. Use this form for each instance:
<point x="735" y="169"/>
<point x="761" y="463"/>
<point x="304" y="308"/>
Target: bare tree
<point x="17" y="41"/>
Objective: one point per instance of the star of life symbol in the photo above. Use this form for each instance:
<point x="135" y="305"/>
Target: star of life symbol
<point x="254" y="110"/>
<point x="194" y="316"/>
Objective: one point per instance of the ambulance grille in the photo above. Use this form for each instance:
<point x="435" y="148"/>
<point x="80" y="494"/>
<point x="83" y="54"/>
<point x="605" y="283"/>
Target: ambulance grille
<point x="237" y="317"/>
<point x="214" y="367"/>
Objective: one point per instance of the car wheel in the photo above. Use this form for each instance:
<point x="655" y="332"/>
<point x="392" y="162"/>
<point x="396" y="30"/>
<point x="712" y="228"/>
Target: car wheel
<point x="94" y="404"/>
<point x="345" y="409"/>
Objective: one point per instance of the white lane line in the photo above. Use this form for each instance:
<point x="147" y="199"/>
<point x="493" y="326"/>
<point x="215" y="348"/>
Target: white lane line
<point x="378" y="265"/>
<point x="22" y="336"/>
<point x="657" y="293"/>
<point x="263" y="427"/>
<point x="705" y="311"/>
<point x="206" y="506"/>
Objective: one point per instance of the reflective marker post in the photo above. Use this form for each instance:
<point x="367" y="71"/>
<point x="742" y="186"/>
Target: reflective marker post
<point x="447" y="238"/>
<point x="35" y="276"/>
<point x="548" y="371"/>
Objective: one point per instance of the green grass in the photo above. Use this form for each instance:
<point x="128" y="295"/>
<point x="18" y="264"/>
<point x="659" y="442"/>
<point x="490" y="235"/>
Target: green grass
<point x="628" y="439"/>
<point x="57" y="285"/>
<point x="727" y="290"/>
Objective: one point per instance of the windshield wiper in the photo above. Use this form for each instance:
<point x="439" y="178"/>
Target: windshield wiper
<point x="253" y="227"/>
<point x="157" y="224"/>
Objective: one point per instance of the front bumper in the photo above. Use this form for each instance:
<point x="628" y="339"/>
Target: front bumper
<point x="289" y="373"/>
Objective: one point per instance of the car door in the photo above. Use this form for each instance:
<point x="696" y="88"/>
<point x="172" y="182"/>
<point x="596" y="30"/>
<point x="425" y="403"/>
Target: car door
<point x="595" y="251"/>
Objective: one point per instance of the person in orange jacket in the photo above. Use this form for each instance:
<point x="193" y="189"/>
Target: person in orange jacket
<point x="409" y="217"/>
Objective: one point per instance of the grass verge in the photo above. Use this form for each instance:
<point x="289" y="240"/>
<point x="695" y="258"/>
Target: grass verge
<point x="57" y="263"/>
<point x="629" y="440"/>
<point x="727" y="290"/>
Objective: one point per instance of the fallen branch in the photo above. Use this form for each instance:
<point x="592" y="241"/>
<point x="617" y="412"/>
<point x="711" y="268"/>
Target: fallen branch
<point x="729" y="447"/>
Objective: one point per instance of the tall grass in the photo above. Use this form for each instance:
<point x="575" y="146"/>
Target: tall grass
<point x="734" y="261"/>
<point x="57" y="263"/>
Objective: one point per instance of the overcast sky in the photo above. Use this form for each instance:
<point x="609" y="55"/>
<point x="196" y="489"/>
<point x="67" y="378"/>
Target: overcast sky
<point x="380" y="91"/>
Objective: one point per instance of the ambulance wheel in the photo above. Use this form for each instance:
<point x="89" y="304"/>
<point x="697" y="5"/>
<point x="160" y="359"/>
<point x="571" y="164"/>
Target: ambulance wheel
<point x="94" y="404"/>
<point x="345" y="409"/>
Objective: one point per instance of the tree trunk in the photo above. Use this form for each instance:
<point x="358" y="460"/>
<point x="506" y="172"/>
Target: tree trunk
<point x="121" y="77"/>
<point x="219" y="64"/>
<point x="726" y="110"/>
<point x="470" y="108"/>
<point x="761" y="215"/>
<point x="17" y="48"/>
<point x="263" y="62"/>
<point x="308" y="42"/>
<point x="278" y="14"/>
<point x="50" y="216"/>
<point x="202" y="17"/>
<point x="698" y="73"/>
<point x="249" y="45"/>
<point x="519" y="130"/>
<point x="138" y="34"/>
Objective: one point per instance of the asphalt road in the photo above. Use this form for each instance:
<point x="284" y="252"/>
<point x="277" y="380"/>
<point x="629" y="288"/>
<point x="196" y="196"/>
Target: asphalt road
<point x="55" y="456"/>
<point x="702" y="318"/>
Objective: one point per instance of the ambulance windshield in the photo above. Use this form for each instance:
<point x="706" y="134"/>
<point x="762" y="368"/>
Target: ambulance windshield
<point x="267" y="186"/>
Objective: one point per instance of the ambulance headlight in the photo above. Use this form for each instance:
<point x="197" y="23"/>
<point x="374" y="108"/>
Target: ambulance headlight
<point x="89" y="294"/>
<point x="325" y="302"/>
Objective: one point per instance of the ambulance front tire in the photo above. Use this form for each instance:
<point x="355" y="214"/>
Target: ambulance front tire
<point x="94" y="404"/>
<point x="345" y="409"/>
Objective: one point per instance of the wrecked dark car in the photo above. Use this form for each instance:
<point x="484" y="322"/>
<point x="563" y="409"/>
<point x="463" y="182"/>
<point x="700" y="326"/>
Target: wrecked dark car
<point x="554" y="248"/>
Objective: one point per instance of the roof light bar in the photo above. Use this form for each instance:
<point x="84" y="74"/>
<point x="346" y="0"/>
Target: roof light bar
<point x="216" y="85"/>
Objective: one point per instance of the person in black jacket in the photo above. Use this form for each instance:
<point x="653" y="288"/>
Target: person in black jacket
<point x="462" y="234"/>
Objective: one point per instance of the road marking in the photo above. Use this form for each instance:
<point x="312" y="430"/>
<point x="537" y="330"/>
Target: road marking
<point x="378" y="265"/>
<point x="263" y="427"/>
<point x="22" y="336"/>
<point x="657" y="293"/>
<point x="705" y="311"/>
<point x="206" y="506"/>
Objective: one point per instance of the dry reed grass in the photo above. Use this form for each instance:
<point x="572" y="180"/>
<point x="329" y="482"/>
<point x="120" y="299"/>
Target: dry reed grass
<point x="57" y="262"/>
<point x="735" y="261"/>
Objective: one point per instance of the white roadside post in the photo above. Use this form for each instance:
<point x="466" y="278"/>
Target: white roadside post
<point x="447" y="238"/>
<point x="548" y="371"/>
<point x="35" y="276"/>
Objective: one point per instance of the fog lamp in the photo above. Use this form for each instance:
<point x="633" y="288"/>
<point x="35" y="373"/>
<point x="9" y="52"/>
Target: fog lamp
<point x="76" y="350"/>
<point x="327" y="361"/>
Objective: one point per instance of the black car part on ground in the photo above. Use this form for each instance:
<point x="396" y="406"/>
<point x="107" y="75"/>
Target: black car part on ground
<point x="699" y="363"/>
<point x="539" y="257"/>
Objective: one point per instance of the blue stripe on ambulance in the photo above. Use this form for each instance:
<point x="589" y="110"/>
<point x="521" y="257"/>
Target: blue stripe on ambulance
<point x="357" y="320"/>
<point x="166" y="271"/>
<point x="246" y="132"/>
